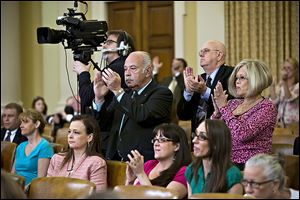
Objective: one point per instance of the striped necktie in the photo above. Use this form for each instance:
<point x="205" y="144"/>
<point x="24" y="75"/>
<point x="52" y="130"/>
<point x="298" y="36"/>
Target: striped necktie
<point x="208" y="82"/>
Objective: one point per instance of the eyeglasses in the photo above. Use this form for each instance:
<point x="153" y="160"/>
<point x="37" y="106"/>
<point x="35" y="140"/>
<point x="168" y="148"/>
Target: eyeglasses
<point x="254" y="184"/>
<point x="206" y="50"/>
<point x="241" y="78"/>
<point x="109" y="42"/>
<point x="161" y="140"/>
<point x="201" y="136"/>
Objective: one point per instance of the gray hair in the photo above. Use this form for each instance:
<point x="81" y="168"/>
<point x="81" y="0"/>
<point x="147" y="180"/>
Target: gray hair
<point x="146" y="59"/>
<point x="271" y="166"/>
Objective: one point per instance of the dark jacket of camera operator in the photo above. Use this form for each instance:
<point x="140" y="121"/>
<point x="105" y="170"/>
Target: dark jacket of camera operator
<point x="115" y="51"/>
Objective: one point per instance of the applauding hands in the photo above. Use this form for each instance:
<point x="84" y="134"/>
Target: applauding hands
<point x="193" y="83"/>
<point x="219" y="98"/>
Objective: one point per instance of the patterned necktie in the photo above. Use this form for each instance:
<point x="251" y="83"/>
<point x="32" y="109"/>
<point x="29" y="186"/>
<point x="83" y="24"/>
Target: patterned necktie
<point x="173" y="85"/>
<point x="202" y="106"/>
<point x="8" y="136"/>
<point x="208" y="82"/>
<point x="134" y="94"/>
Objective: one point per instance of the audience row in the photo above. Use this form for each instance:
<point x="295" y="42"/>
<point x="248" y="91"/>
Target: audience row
<point x="133" y="113"/>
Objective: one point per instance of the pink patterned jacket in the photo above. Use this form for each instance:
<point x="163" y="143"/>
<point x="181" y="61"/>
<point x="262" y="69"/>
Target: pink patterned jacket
<point x="251" y="132"/>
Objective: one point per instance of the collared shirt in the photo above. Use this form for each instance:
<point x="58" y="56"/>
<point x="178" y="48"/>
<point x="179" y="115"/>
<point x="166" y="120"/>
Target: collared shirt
<point x="97" y="106"/>
<point x="233" y="176"/>
<point x="12" y="136"/>
<point x="139" y="91"/>
<point x="206" y="95"/>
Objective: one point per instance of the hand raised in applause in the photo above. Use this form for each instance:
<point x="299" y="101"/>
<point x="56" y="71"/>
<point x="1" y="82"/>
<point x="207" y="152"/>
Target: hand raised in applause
<point x="130" y="176"/>
<point x="136" y="162"/>
<point x="79" y="67"/>
<point x="156" y="64"/>
<point x="100" y="89"/>
<point x="112" y="80"/>
<point x="219" y="97"/>
<point x="193" y="83"/>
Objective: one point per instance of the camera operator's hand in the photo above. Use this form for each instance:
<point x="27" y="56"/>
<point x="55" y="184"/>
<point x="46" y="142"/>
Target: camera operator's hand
<point x="79" y="67"/>
<point x="112" y="80"/>
<point x="100" y="89"/>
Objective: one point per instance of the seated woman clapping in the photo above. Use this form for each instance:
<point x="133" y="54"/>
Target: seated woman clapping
<point x="212" y="169"/>
<point x="83" y="159"/>
<point x="172" y="155"/>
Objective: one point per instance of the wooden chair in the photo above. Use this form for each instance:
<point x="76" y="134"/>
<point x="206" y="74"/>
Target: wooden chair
<point x="62" y="137"/>
<point x="291" y="168"/>
<point x="48" y="138"/>
<point x="57" y="147"/>
<point x="60" y="188"/>
<point x="218" y="196"/>
<point x="187" y="127"/>
<point x="286" y="149"/>
<point x="47" y="130"/>
<point x="116" y="173"/>
<point x="280" y="130"/>
<point x="8" y="150"/>
<point x="283" y="139"/>
<point x="294" y="127"/>
<point x="66" y="125"/>
<point x="144" y="192"/>
<point x="18" y="179"/>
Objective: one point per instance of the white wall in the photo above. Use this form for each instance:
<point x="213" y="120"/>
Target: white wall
<point x="210" y="23"/>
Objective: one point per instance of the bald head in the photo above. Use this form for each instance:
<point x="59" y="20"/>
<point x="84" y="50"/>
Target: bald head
<point x="212" y="55"/>
<point x="217" y="45"/>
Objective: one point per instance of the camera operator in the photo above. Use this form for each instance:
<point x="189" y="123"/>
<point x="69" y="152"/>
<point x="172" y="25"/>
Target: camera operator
<point x="115" y="51"/>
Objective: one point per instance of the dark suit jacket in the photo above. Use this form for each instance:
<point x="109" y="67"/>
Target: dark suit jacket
<point x="86" y="90"/>
<point x="187" y="110"/>
<point x="18" y="137"/>
<point x="177" y="93"/>
<point x="142" y="113"/>
<point x="87" y="96"/>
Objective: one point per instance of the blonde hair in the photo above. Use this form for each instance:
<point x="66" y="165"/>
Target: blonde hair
<point x="258" y="74"/>
<point x="34" y="116"/>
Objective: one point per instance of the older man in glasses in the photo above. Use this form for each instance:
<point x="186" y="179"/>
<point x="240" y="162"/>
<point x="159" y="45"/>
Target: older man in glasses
<point x="114" y="54"/>
<point x="196" y="104"/>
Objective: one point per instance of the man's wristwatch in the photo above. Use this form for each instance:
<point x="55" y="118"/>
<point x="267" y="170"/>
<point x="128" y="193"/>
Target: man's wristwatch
<point x="120" y="91"/>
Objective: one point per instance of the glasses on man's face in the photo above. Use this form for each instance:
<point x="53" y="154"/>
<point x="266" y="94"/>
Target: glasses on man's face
<point x="109" y="42"/>
<point x="199" y="136"/>
<point x="206" y="50"/>
<point x="253" y="184"/>
<point x="241" y="78"/>
<point x="161" y="140"/>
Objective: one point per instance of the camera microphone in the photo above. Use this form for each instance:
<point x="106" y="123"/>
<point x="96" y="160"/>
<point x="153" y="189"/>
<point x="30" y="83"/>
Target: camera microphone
<point x="121" y="47"/>
<point x="109" y="50"/>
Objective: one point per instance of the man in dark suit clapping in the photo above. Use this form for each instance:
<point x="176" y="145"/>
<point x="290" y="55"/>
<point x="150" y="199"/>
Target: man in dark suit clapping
<point x="137" y="110"/>
<point x="11" y="131"/>
<point x="196" y="104"/>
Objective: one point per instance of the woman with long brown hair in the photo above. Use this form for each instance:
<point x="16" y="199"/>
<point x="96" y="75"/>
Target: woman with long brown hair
<point x="83" y="159"/>
<point x="212" y="169"/>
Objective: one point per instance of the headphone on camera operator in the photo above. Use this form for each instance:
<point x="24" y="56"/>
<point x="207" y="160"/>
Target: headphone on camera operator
<point x="124" y="45"/>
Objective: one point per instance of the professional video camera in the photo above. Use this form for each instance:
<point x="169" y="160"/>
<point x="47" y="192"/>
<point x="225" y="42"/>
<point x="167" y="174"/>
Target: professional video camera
<point x="82" y="36"/>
